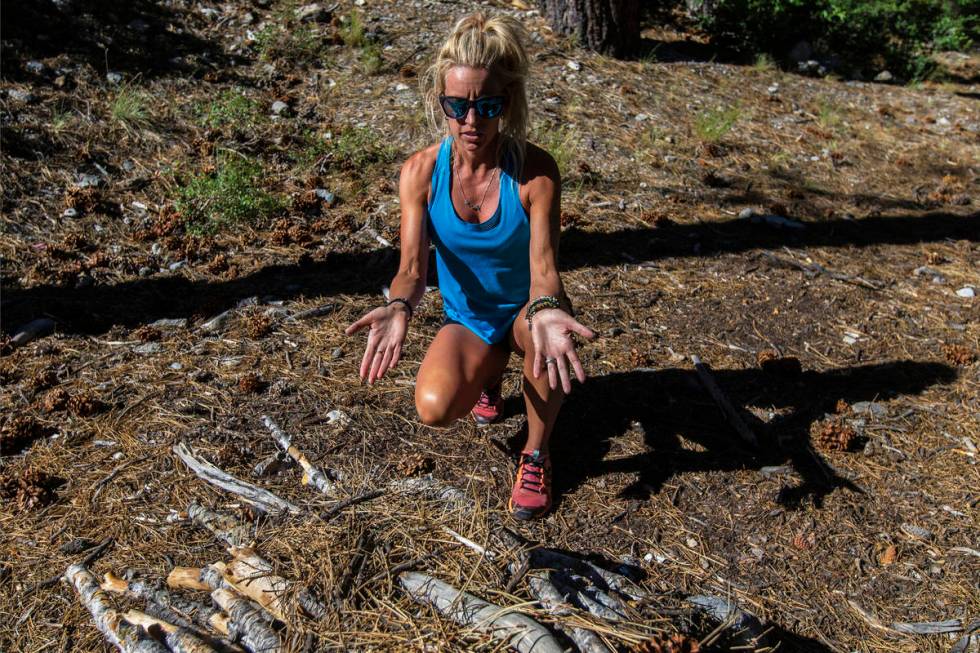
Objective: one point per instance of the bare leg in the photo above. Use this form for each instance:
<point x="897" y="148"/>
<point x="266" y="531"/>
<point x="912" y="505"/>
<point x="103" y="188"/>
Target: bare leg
<point x="454" y="371"/>
<point x="542" y="402"/>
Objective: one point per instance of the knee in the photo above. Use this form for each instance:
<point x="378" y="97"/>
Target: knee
<point x="433" y="409"/>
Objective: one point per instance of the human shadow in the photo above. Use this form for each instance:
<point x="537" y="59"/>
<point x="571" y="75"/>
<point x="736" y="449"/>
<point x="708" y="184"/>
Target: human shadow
<point x="96" y="308"/>
<point x="672" y="409"/>
<point x="137" y="37"/>
<point x="581" y="248"/>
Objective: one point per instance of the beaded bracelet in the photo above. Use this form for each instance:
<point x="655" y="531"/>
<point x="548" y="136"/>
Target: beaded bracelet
<point x="541" y="303"/>
<point x="401" y="300"/>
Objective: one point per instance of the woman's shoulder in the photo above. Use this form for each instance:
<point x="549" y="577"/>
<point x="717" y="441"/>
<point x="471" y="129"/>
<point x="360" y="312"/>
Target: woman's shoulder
<point x="416" y="174"/>
<point x="539" y="164"/>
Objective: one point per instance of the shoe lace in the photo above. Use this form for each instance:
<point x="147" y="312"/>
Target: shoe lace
<point x="489" y="397"/>
<point x="531" y="473"/>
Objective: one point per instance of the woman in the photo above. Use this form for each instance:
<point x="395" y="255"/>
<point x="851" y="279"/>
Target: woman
<point x="490" y="202"/>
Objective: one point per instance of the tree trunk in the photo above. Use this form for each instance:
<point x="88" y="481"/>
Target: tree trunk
<point x="608" y="26"/>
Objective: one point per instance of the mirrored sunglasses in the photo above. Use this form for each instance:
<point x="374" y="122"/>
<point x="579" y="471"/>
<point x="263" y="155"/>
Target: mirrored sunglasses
<point x="486" y="107"/>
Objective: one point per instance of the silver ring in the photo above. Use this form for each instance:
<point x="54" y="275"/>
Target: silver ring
<point x="377" y="352"/>
<point x="550" y="361"/>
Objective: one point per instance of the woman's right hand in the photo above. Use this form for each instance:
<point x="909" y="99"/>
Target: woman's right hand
<point x="389" y="325"/>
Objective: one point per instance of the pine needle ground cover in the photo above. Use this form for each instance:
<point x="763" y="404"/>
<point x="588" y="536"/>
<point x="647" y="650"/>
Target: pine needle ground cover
<point x="200" y="249"/>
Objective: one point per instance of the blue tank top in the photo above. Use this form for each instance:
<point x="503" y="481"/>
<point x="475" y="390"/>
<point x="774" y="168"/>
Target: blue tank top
<point x="483" y="269"/>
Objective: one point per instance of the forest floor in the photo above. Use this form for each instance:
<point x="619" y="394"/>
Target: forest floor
<point x="836" y="316"/>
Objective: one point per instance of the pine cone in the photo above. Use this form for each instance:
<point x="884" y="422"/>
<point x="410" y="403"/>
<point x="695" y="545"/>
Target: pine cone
<point x="676" y="643"/>
<point x="147" y="333"/>
<point x="166" y="224"/>
<point x="257" y="326"/>
<point x="250" y="383"/>
<point x="84" y="405"/>
<point x="84" y="200"/>
<point x="55" y="400"/>
<point x="42" y="380"/>
<point x="834" y="435"/>
<point x="415" y="465"/>
<point x="842" y="407"/>
<point x="18" y="432"/>
<point x="959" y="355"/>
<point x="306" y="201"/>
<point x="35" y="489"/>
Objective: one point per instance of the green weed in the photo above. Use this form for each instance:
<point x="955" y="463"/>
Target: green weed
<point x="371" y="58"/>
<point x="828" y="115"/>
<point x="130" y="107"/>
<point x="233" y="108"/>
<point x="712" y="125"/>
<point x="352" y="30"/>
<point x="560" y="143"/>
<point x="297" y="44"/>
<point x="764" y="63"/>
<point x="356" y="148"/>
<point x="232" y="194"/>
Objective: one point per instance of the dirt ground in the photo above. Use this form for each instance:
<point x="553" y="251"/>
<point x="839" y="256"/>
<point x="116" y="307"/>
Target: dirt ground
<point x="835" y="316"/>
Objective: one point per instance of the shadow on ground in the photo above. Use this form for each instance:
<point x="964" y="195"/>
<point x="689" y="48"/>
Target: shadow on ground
<point x="137" y="37"/>
<point x="670" y="405"/>
<point x="97" y="308"/>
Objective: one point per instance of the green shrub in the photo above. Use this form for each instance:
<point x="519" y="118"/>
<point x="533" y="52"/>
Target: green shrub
<point x="356" y="148"/>
<point x="130" y="107"/>
<point x="232" y="108"/>
<point x="294" y="43"/>
<point x="232" y="194"/>
<point x="352" y="30"/>
<point x="898" y="34"/>
<point x="712" y="125"/>
<point x="559" y="142"/>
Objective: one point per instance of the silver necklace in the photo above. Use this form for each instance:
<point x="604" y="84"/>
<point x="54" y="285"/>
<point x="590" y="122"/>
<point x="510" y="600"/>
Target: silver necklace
<point x="470" y="205"/>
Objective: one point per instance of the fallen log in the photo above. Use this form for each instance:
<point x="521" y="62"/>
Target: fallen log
<point x="708" y="381"/>
<point x="256" y="633"/>
<point x="125" y="637"/>
<point x="255" y="496"/>
<point x="224" y="527"/>
<point x="544" y="558"/>
<point x="32" y="330"/>
<point x="211" y="578"/>
<point x="177" y="638"/>
<point x="578" y="591"/>
<point x="552" y="600"/>
<point x="312" y="475"/>
<point x="516" y="629"/>
<point x="745" y="627"/>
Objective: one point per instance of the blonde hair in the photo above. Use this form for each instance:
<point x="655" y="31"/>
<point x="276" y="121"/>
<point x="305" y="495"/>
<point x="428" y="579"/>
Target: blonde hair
<point x="496" y="44"/>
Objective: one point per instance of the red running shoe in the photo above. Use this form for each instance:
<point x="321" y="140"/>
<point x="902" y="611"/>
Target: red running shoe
<point x="488" y="406"/>
<point x="531" y="496"/>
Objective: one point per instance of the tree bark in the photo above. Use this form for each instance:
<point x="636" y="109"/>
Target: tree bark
<point x="608" y="26"/>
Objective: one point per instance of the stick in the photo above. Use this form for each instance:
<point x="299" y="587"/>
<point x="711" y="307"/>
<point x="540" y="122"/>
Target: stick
<point x="708" y="381"/>
<point x="251" y="494"/>
<point x="517" y="630"/>
<point x="169" y="606"/>
<point x="552" y="600"/>
<point x="124" y="637"/>
<point x="467" y="542"/>
<point x="35" y="329"/>
<point x="549" y="558"/>
<point x="257" y="635"/>
<point x="346" y="503"/>
<point x="179" y="640"/>
<point x="433" y="489"/>
<point x="576" y="589"/>
<point x="224" y="527"/>
<point x="249" y="564"/>
<point x="311" y="473"/>
<point x="313" y="312"/>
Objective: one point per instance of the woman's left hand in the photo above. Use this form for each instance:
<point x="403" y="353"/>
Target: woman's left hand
<point x="551" y="333"/>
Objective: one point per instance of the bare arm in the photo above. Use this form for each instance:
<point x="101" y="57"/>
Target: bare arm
<point x="551" y="329"/>
<point x="389" y="324"/>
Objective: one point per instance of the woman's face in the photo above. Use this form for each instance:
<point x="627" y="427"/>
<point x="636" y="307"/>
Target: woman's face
<point x="472" y="132"/>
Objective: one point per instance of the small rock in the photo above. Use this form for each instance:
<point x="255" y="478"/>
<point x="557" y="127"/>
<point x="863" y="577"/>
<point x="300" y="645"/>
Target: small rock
<point x="18" y="95"/>
<point x="70" y="213"/>
<point x="884" y="76"/>
<point x="248" y="18"/>
<point x="401" y="87"/>
<point x="128" y="165"/>
<point x="339" y="417"/>
<point x="640" y="117"/>
<point x="772" y="90"/>
<point x="176" y="366"/>
<point x="871" y="407"/>
<point x="745" y="214"/>
<point x="86" y="180"/>
<point x="210" y="12"/>
<point x="574" y="65"/>
<point x="176" y="265"/>
<point x="156" y="248"/>
<point x="113" y="78"/>
<point x="312" y="13"/>
<point x="147" y="348"/>
<point x="944" y="122"/>
<point x="35" y="67"/>
<point x="967" y="292"/>
<point x="326" y="196"/>
<point x="850" y="340"/>
<point x="145" y="271"/>
<point x="279" y="107"/>
<point x="337" y="353"/>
